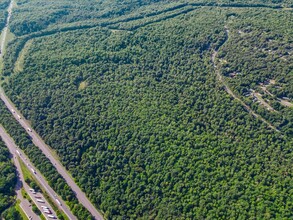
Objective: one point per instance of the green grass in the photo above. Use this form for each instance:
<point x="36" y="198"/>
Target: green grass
<point x="19" y="209"/>
<point x="18" y="67"/>
<point x="28" y="175"/>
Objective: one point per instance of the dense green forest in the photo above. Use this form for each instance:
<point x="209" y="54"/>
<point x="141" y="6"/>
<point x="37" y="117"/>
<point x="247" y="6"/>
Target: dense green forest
<point x="23" y="140"/>
<point x="49" y="13"/>
<point x="257" y="59"/>
<point x="7" y="179"/>
<point x="129" y="99"/>
<point x="3" y="13"/>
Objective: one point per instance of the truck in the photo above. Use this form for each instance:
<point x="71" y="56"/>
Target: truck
<point x="59" y="203"/>
<point x="40" y="201"/>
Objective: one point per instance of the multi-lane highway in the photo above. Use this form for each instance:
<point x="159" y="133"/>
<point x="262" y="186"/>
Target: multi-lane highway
<point x="15" y="151"/>
<point x="48" y="152"/>
<point x="38" y="140"/>
<point x="24" y="204"/>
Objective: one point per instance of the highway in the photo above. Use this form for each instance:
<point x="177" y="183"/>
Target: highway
<point x="24" y="204"/>
<point x="15" y="151"/>
<point x="37" y="140"/>
<point x="48" y="152"/>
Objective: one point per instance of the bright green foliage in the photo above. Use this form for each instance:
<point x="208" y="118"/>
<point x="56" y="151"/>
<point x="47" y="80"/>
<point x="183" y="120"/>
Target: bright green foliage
<point x="3" y="13"/>
<point x="133" y="108"/>
<point x="7" y="178"/>
<point x="54" y="179"/>
<point x="151" y="133"/>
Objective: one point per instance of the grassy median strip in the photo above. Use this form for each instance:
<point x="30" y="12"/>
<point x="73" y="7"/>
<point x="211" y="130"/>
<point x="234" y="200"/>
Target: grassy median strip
<point x="42" y="163"/>
<point x="19" y="209"/>
<point x="32" y="182"/>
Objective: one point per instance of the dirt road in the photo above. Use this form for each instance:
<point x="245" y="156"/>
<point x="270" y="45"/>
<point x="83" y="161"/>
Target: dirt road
<point x="226" y="86"/>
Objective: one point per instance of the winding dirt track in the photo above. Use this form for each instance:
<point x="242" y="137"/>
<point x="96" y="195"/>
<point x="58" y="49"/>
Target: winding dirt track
<point x="227" y="88"/>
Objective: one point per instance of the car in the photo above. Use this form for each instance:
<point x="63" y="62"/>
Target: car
<point x="30" y="130"/>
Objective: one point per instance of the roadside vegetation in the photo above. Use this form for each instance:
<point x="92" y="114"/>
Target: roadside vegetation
<point x="41" y="162"/>
<point x="7" y="183"/>
<point x="127" y="96"/>
<point x="32" y="182"/>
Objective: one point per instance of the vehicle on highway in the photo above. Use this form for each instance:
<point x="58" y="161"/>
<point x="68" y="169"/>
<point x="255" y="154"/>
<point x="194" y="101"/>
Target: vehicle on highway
<point x="38" y="197"/>
<point x="44" y="207"/>
<point x="13" y="111"/>
<point x="47" y="211"/>
<point x="30" y="130"/>
<point x="59" y="203"/>
<point x="40" y="201"/>
<point x="19" y="117"/>
<point x="33" y="171"/>
<point x="32" y="190"/>
<point x="52" y="216"/>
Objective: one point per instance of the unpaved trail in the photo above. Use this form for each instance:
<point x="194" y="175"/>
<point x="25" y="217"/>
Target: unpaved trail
<point x="226" y="86"/>
<point x="4" y="32"/>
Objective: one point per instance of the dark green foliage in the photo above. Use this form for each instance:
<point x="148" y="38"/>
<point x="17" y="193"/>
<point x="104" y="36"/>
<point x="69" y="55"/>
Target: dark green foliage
<point x="11" y="214"/>
<point x="143" y="125"/>
<point x="41" y="162"/>
<point x="7" y="178"/>
<point x="36" y="210"/>
<point x="49" y="13"/>
<point x="3" y="13"/>
<point x="259" y="50"/>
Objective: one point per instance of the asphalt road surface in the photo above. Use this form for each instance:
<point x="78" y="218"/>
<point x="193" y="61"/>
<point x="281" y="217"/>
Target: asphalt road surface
<point x="15" y="151"/>
<point x="38" y="140"/>
<point x="24" y="204"/>
<point x="48" y="152"/>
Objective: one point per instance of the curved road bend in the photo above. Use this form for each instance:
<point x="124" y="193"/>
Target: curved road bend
<point x="227" y="88"/>
<point x="12" y="148"/>
<point x="48" y="152"/>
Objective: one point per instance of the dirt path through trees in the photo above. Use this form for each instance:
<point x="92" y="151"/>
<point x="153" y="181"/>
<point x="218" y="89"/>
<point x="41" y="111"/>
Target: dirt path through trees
<point x="226" y="86"/>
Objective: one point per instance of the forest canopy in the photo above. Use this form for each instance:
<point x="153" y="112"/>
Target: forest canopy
<point x="126" y="93"/>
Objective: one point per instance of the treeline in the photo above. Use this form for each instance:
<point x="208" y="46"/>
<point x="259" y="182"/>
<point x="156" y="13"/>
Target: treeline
<point x="7" y="180"/>
<point x="3" y="12"/>
<point x="42" y="163"/>
<point x="47" y="14"/>
<point x="145" y="128"/>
